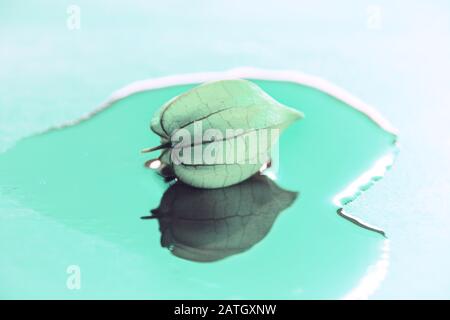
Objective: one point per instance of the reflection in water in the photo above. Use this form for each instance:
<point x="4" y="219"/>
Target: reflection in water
<point x="211" y="224"/>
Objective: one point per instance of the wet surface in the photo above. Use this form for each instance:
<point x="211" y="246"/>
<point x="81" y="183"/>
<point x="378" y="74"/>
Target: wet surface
<point x="81" y="192"/>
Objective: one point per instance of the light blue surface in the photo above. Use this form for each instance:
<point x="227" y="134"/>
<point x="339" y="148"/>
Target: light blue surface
<point x="393" y="56"/>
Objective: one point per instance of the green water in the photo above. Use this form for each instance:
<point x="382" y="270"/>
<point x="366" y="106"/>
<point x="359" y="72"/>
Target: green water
<point x="75" y="197"/>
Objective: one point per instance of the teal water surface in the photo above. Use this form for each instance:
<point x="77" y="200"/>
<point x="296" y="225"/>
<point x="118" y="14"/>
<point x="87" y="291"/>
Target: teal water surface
<point x="75" y="197"/>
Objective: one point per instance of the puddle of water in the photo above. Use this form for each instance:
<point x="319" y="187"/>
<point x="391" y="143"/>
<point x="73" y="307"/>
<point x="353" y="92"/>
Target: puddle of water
<point x="87" y="188"/>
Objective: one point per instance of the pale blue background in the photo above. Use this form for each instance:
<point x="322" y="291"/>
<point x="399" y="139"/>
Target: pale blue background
<point x="397" y="61"/>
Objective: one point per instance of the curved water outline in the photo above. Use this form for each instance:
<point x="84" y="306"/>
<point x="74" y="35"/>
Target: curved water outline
<point x="377" y="271"/>
<point x="246" y="73"/>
